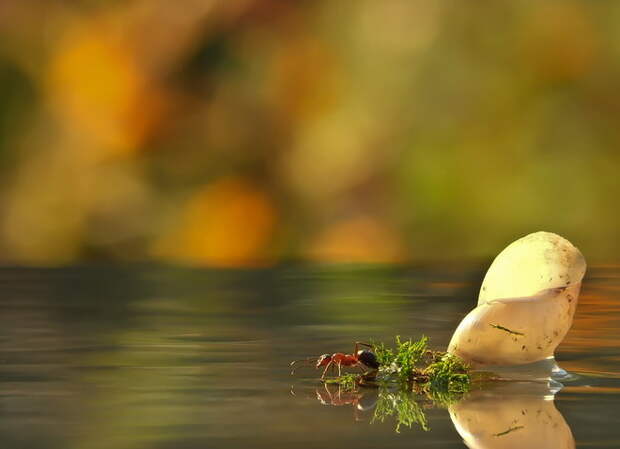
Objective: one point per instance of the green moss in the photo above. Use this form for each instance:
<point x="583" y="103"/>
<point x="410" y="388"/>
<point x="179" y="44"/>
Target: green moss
<point x="448" y="374"/>
<point x="411" y="366"/>
<point x="403" y="407"/>
<point x="410" y="378"/>
<point x="402" y="361"/>
<point x="347" y="382"/>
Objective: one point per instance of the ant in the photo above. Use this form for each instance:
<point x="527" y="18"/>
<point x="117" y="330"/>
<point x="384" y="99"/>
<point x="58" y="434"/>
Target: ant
<point x="358" y="358"/>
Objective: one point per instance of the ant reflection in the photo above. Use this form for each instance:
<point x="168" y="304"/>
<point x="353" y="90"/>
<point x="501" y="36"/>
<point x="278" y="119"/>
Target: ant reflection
<point x="376" y="404"/>
<point x="361" y="401"/>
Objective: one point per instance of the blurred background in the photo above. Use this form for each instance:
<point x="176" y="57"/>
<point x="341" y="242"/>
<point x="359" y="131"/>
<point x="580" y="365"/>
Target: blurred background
<point x="253" y="132"/>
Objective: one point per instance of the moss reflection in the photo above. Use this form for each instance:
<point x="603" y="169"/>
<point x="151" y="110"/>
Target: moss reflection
<point x="381" y="402"/>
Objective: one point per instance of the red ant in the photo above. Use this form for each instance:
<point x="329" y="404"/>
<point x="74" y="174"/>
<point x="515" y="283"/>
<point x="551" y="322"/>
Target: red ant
<point x="339" y="359"/>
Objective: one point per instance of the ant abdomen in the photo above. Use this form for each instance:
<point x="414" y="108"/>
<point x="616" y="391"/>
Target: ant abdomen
<point x="368" y="358"/>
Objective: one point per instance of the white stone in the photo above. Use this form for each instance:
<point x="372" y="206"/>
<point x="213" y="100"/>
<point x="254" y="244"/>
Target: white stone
<point x="526" y="304"/>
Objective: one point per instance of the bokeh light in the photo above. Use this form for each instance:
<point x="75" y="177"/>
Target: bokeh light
<point x="256" y="132"/>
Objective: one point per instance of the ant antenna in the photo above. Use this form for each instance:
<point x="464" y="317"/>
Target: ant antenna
<point x="308" y="360"/>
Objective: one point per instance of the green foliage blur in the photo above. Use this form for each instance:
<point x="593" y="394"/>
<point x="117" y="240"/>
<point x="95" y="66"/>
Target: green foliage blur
<point x="252" y="132"/>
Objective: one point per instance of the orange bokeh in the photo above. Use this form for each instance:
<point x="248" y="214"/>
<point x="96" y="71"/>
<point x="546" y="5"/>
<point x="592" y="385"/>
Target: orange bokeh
<point x="99" y="91"/>
<point x="227" y="223"/>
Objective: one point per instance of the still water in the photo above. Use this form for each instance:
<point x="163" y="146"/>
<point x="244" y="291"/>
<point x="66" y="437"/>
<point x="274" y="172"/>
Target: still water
<point x="151" y="357"/>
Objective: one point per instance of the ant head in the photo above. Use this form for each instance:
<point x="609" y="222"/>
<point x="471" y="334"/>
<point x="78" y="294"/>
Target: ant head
<point x="323" y="360"/>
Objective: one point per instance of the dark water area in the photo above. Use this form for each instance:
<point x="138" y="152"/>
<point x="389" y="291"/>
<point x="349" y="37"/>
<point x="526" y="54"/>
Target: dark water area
<point x="152" y="357"/>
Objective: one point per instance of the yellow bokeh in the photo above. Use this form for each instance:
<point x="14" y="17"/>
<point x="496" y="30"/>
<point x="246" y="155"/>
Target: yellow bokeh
<point x="99" y="91"/>
<point x="304" y="79"/>
<point x="228" y="223"/>
<point x="358" y="239"/>
<point x="409" y="130"/>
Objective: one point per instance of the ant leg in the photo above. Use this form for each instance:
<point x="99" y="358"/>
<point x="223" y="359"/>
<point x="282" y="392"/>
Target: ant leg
<point x="331" y="399"/>
<point x="326" y="368"/>
<point x="339" y="372"/>
<point x="322" y="400"/>
<point x="356" y="415"/>
<point x="359" y="343"/>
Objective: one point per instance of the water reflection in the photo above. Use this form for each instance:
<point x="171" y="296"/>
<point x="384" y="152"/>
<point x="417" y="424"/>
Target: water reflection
<point x="378" y="404"/>
<point x="362" y="402"/>
<point x="499" y="415"/>
<point x="511" y="415"/>
<point x="167" y="358"/>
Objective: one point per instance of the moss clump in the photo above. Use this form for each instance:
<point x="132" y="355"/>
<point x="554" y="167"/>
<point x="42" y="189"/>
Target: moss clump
<point x="449" y="374"/>
<point x="403" y="361"/>
<point x="347" y="382"/>
<point x="410" y="365"/>
<point x="410" y="377"/>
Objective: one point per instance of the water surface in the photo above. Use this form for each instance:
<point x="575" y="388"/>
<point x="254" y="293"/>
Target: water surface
<point x="152" y="357"/>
